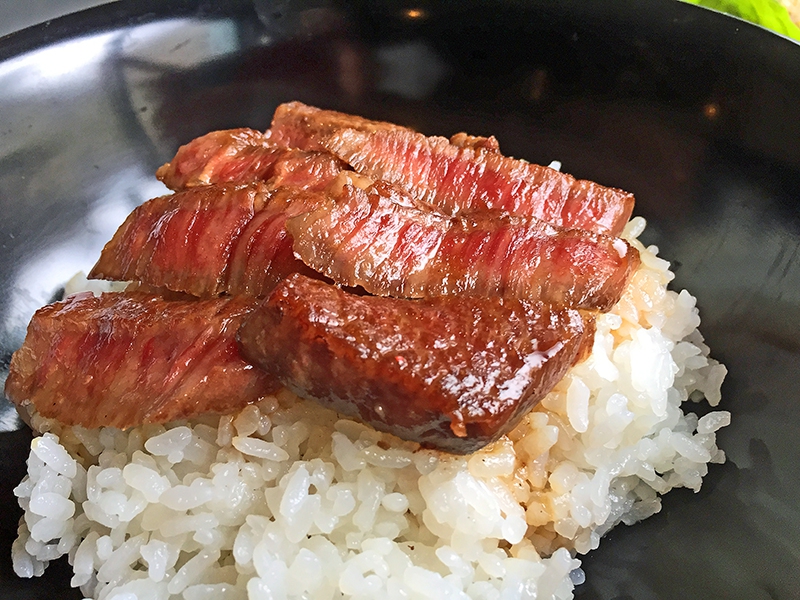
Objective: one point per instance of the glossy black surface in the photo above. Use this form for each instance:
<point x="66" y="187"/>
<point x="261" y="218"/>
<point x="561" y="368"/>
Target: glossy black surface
<point x="18" y="15"/>
<point x="697" y="114"/>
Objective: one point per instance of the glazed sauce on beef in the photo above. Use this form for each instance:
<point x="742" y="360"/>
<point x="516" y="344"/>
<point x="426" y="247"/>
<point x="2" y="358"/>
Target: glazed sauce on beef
<point x="476" y="262"/>
<point x="452" y="373"/>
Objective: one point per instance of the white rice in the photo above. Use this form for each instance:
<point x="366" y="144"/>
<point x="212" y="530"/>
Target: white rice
<point x="287" y="500"/>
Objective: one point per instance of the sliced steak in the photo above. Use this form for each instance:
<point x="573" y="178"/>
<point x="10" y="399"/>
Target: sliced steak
<point x="208" y="240"/>
<point x="450" y="373"/>
<point x="386" y="243"/>
<point x="466" y="175"/>
<point x="245" y="155"/>
<point x="297" y="125"/>
<point x="123" y="359"/>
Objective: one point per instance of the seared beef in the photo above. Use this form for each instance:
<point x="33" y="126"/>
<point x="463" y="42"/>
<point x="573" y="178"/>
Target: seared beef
<point x="464" y="176"/>
<point x="457" y="179"/>
<point x="297" y="125"/>
<point x="390" y="246"/>
<point x="208" y="240"/>
<point x="244" y="155"/>
<point x="306" y="170"/>
<point x="483" y="324"/>
<point x="125" y="359"/>
<point x="263" y="255"/>
<point x="452" y="373"/>
<point x="183" y="241"/>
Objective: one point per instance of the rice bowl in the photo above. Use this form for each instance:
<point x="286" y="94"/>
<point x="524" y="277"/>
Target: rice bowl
<point x="288" y="500"/>
<point x="719" y="196"/>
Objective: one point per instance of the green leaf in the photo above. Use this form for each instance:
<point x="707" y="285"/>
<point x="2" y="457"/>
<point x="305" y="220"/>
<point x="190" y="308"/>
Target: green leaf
<point x="767" y="13"/>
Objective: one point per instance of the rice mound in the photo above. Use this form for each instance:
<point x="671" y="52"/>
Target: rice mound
<point x="288" y="500"/>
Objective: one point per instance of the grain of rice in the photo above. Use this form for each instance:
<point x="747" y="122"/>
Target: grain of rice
<point x="713" y="421"/>
<point x="47" y="449"/>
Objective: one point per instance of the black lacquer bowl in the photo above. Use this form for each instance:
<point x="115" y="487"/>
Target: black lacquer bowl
<point x="696" y="113"/>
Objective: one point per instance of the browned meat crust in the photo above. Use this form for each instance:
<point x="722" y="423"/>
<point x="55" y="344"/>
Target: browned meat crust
<point x="451" y="373"/>
<point x="465" y="140"/>
<point x="297" y="125"/>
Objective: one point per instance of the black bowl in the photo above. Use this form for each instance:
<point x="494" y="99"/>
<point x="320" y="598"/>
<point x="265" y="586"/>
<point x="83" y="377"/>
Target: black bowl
<point x="696" y="113"/>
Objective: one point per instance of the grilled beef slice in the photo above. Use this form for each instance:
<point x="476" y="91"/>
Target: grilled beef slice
<point x="124" y="359"/>
<point x="297" y="125"/>
<point x="208" y="240"/>
<point x="390" y="245"/>
<point x="245" y="155"/>
<point x="452" y="373"/>
<point x="454" y="177"/>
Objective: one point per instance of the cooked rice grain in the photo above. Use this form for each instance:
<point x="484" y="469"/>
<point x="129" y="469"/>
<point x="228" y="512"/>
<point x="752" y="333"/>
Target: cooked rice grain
<point x="287" y="500"/>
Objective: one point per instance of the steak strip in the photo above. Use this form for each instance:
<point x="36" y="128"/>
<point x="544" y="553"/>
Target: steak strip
<point x="297" y="125"/>
<point x="452" y="373"/>
<point x="124" y="359"/>
<point x="383" y="241"/>
<point x="208" y="240"/>
<point x="466" y="175"/>
<point x="245" y="155"/>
